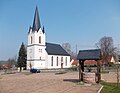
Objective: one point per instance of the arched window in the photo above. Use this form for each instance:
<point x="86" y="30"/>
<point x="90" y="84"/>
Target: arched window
<point x="66" y="61"/>
<point x="61" y="59"/>
<point x="57" y="61"/>
<point x="31" y="40"/>
<point x="40" y="39"/>
<point x="52" y="61"/>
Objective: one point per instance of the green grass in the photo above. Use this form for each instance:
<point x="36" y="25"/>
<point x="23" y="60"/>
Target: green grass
<point x="80" y="83"/>
<point x="110" y="87"/>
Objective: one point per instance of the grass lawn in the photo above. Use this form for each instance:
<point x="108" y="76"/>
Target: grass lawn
<point x="110" y="87"/>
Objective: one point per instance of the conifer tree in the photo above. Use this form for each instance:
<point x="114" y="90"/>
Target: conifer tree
<point x="22" y="57"/>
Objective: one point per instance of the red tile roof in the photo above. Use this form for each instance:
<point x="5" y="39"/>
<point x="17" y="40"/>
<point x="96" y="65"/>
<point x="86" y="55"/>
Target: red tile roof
<point x="75" y="62"/>
<point x="91" y="62"/>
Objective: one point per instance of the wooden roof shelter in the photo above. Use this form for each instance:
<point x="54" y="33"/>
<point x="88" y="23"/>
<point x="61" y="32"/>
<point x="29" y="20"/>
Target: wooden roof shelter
<point x="94" y="54"/>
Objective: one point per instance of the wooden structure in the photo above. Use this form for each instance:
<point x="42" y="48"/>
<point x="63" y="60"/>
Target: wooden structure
<point x="89" y="55"/>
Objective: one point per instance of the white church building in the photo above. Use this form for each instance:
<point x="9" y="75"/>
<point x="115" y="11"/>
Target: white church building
<point x="43" y="55"/>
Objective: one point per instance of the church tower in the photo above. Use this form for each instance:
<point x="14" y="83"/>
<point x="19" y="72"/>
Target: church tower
<point x="36" y="44"/>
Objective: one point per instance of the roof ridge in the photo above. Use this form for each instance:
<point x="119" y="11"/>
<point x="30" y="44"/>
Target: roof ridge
<point x="53" y="43"/>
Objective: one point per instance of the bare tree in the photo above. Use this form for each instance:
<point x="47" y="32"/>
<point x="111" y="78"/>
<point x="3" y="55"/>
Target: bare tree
<point x="107" y="48"/>
<point x="12" y="62"/>
<point x="67" y="47"/>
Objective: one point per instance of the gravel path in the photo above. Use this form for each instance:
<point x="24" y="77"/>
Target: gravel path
<point x="43" y="83"/>
<point x="110" y="77"/>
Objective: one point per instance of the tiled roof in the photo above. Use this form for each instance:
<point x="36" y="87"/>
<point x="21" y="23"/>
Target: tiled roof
<point x="90" y="62"/>
<point x="75" y="62"/>
<point x="89" y="54"/>
<point x="55" y="49"/>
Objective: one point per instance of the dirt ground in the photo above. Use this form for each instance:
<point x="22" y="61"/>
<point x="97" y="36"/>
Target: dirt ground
<point x="44" y="83"/>
<point x="110" y="77"/>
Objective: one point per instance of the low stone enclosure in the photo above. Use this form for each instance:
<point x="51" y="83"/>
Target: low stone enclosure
<point x="89" y="77"/>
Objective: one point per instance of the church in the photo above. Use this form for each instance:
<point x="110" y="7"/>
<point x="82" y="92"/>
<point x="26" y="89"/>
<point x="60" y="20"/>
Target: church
<point x="43" y="55"/>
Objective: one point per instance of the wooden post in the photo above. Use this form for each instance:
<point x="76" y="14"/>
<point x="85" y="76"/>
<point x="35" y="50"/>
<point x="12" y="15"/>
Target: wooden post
<point x="82" y="65"/>
<point x="82" y="69"/>
<point x="98" y="72"/>
<point x="79" y="70"/>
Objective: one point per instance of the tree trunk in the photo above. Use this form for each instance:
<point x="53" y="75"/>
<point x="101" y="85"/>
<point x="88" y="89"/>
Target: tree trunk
<point x="98" y="75"/>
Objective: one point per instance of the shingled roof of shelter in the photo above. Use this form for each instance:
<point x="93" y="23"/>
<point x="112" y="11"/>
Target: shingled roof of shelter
<point x="93" y="54"/>
<point x="55" y="49"/>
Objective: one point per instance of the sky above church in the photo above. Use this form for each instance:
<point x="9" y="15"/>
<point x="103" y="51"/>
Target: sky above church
<point x="78" y="22"/>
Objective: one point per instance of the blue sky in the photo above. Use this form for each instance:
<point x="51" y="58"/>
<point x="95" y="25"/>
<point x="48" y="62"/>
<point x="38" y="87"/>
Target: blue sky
<point x="81" y="22"/>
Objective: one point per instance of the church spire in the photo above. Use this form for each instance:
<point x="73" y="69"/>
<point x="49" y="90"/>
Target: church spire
<point x="43" y="30"/>
<point x="36" y="22"/>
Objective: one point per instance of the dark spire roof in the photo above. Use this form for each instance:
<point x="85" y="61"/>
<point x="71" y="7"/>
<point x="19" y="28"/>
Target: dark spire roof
<point x="36" y="22"/>
<point x="43" y="29"/>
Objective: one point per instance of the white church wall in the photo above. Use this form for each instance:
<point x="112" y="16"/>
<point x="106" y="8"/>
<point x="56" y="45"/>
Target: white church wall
<point x="59" y="61"/>
<point x="39" y="52"/>
<point x="40" y="64"/>
<point x="36" y="50"/>
<point x="35" y="37"/>
<point x="30" y="53"/>
<point x="46" y="59"/>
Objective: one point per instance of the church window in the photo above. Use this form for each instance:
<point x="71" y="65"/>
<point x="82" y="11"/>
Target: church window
<point x="61" y="59"/>
<point x="66" y="61"/>
<point x="52" y="61"/>
<point x="40" y="39"/>
<point x="40" y="58"/>
<point x="57" y="61"/>
<point x="31" y="40"/>
<point x="40" y="50"/>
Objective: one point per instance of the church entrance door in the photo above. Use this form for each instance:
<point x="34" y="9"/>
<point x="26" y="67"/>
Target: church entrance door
<point x="61" y="65"/>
